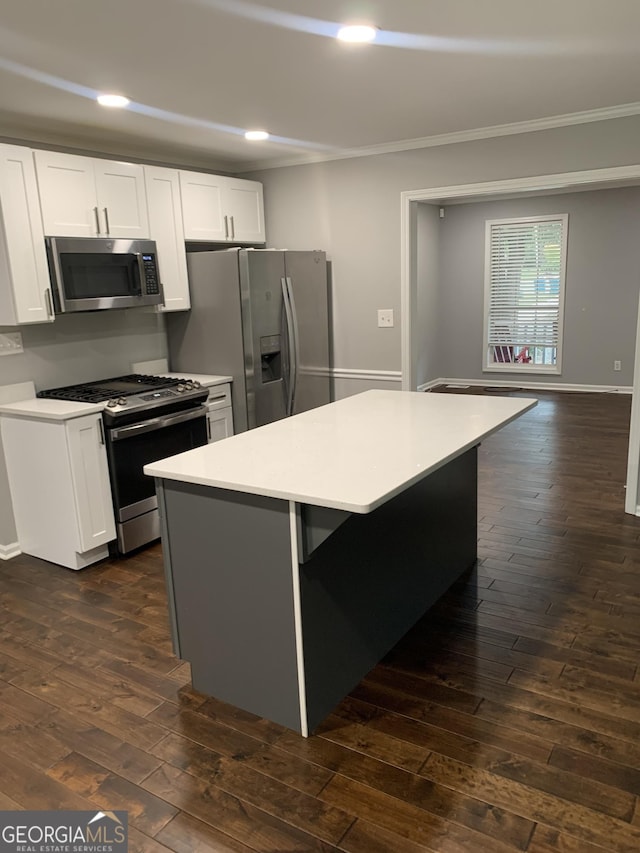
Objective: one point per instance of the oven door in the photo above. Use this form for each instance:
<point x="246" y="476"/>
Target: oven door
<point x="129" y="449"/>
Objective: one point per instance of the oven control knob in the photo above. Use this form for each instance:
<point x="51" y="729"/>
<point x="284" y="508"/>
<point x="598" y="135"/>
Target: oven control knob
<point x="189" y="386"/>
<point x="181" y="387"/>
<point x="112" y="403"/>
<point x="195" y="383"/>
<point x="122" y="401"/>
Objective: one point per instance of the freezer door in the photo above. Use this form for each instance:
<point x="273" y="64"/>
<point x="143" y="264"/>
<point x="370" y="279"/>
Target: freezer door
<point x="208" y="339"/>
<point x="306" y="274"/>
<point x="265" y="335"/>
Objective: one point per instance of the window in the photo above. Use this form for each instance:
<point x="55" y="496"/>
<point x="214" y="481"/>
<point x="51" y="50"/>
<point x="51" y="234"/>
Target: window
<point x="524" y="293"/>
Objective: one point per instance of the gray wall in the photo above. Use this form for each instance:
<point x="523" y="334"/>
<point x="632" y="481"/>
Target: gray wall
<point x="86" y="346"/>
<point x="77" y="348"/>
<point x="351" y="208"/>
<point x="602" y="285"/>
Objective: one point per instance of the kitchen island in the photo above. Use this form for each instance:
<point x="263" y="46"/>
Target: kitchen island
<point x="299" y="553"/>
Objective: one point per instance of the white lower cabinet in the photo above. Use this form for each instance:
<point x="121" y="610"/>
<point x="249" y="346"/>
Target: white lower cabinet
<point x="59" y="483"/>
<point x="219" y="413"/>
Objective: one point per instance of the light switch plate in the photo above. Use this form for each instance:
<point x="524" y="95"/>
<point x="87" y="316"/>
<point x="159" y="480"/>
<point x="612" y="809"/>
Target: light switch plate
<point x="385" y="318"/>
<point x="11" y="343"/>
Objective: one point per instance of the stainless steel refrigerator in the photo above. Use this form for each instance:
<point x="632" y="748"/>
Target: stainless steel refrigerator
<point x="260" y="316"/>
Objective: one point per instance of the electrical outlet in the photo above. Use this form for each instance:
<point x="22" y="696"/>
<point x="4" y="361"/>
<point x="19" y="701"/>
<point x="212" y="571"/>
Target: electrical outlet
<point x="11" y="343"/>
<point x="385" y="318"/>
<point x="617" y="365"/>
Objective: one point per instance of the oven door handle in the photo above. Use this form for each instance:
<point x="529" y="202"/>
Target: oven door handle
<point x="120" y="433"/>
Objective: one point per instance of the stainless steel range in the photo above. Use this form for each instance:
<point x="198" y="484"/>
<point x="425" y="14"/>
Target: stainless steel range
<point x="145" y="418"/>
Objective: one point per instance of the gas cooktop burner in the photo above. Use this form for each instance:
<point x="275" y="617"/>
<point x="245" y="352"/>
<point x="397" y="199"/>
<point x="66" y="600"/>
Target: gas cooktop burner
<point x="124" y="394"/>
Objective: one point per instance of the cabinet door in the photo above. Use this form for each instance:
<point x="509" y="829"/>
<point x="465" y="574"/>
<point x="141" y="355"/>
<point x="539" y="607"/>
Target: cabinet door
<point x="24" y="291"/>
<point x="243" y="204"/>
<point x="219" y="424"/>
<point x="67" y="190"/>
<point x="122" y="199"/>
<point x="90" y="477"/>
<point x="202" y="207"/>
<point x="165" y="224"/>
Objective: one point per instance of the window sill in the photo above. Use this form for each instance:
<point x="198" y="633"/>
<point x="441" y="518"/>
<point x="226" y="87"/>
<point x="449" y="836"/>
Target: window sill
<point x="541" y="370"/>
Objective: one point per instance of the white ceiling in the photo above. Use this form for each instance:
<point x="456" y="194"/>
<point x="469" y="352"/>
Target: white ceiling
<point x="199" y="72"/>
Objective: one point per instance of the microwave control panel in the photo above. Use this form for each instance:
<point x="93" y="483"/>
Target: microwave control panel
<point x="151" y="284"/>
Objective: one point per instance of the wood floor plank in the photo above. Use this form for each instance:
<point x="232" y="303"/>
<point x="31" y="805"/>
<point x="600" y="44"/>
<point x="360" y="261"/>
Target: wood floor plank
<point x="410" y="821"/>
<point x="186" y="834"/>
<point x="234" y="777"/>
<point x="87" y="738"/>
<point x="107" y="790"/>
<point x="229" y="814"/>
<point x="583" y="823"/>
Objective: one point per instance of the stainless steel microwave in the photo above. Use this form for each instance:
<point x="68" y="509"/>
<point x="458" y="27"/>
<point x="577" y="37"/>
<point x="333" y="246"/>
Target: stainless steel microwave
<point x="96" y="273"/>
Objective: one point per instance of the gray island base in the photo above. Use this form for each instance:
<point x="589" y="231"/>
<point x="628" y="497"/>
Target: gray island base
<point x="236" y="617"/>
<point x="298" y="554"/>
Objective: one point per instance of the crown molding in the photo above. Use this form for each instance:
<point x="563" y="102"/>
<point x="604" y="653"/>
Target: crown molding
<point x="529" y="126"/>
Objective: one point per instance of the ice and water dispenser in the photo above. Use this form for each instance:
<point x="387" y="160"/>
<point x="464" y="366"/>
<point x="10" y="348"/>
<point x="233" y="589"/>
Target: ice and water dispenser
<point x="271" y="358"/>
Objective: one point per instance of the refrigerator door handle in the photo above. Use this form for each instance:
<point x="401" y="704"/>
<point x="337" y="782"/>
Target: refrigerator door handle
<point x="296" y="344"/>
<point x="290" y="379"/>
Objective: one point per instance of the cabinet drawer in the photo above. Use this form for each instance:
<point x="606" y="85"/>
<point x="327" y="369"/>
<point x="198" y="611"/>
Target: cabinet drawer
<point x="219" y="397"/>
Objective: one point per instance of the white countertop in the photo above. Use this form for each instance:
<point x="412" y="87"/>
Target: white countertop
<point x="353" y="454"/>
<point x="49" y="410"/>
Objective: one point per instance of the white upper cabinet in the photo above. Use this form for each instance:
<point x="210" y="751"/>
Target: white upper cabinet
<point x="202" y="211"/>
<point x="165" y="224"/>
<point x="87" y="197"/>
<point x="24" y="276"/>
<point x="220" y="209"/>
<point x="245" y="208"/>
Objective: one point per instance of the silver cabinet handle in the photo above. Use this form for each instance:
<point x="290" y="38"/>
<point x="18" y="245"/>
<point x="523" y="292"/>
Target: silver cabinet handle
<point x="49" y="306"/>
<point x="106" y="219"/>
<point x="155" y="424"/>
<point x="233" y="228"/>
<point x="208" y="429"/>
<point x="97" y="215"/>
<point x="226" y="227"/>
<point x="101" y="430"/>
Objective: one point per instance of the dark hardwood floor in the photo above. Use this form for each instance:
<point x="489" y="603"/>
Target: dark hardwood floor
<point x="507" y="719"/>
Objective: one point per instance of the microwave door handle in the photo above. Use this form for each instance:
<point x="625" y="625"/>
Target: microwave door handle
<point x="141" y="270"/>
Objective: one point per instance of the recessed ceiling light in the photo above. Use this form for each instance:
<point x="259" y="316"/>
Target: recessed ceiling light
<point x="357" y="33"/>
<point x="256" y="135"/>
<point x="112" y="100"/>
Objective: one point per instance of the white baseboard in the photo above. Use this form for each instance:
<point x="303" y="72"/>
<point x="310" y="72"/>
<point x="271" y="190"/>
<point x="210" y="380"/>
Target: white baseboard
<point x="532" y="386"/>
<point x="9" y="551"/>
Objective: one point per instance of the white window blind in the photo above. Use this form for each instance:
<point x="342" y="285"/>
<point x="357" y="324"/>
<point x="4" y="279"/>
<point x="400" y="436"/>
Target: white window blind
<point x="525" y="292"/>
